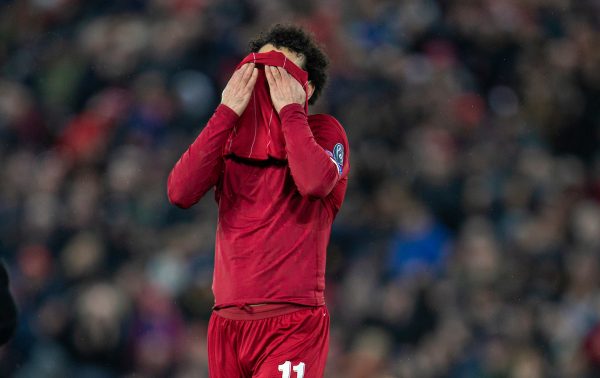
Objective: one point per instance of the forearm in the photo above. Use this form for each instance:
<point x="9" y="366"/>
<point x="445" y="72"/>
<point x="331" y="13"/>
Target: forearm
<point x="312" y="169"/>
<point x="200" y="166"/>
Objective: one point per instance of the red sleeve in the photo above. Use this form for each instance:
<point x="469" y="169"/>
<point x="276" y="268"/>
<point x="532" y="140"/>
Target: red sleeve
<point x="311" y="159"/>
<point x="199" y="168"/>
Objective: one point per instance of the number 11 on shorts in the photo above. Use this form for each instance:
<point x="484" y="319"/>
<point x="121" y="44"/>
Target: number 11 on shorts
<point x="286" y="369"/>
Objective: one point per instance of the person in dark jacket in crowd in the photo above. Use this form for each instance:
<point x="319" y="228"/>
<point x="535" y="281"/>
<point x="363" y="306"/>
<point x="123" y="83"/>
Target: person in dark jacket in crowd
<point x="8" y="310"/>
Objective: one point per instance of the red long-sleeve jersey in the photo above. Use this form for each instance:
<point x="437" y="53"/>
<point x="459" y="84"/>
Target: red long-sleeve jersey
<point x="275" y="216"/>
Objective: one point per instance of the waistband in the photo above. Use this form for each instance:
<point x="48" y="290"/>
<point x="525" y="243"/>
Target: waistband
<point x="264" y="311"/>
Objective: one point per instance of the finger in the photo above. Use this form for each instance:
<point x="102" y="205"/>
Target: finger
<point x="235" y="79"/>
<point x="290" y="80"/>
<point x="252" y="80"/>
<point x="270" y="77"/>
<point x="287" y="76"/>
<point x="248" y="70"/>
<point x="235" y="75"/>
<point x="242" y="74"/>
<point x="283" y="72"/>
<point x="243" y="69"/>
<point x="286" y="80"/>
<point x="277" y="74"/>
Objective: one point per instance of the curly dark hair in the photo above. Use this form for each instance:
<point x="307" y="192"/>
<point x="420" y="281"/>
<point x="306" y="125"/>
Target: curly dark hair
<point x="300" y="42"/>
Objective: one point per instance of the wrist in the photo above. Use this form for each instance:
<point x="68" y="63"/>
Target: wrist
<point x="291" y="114"/>
<point x="291" y="107"/>
<point x="227" y="112"/>
<point x="225" y="108"/>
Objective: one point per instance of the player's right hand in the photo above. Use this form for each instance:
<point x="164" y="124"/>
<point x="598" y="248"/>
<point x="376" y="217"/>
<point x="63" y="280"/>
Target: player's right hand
<point x="238" y="90"/>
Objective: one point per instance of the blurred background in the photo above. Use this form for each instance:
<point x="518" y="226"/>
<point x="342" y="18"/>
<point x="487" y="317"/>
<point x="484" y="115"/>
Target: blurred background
<point x="469" y="241"/>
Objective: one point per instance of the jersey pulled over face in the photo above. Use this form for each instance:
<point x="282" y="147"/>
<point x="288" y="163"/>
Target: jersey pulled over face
<point x="258" y="134"/>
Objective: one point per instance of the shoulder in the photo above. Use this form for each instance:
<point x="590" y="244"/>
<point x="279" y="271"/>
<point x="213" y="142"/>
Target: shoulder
<point x="330" y="135"/>
<point x="324" y="120"/>
<point x="325" y="124"/>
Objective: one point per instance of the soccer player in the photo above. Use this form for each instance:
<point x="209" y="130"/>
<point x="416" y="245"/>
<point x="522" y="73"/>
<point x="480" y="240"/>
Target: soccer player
<point x="280" y="177"/>
<point x="8" y="311"/>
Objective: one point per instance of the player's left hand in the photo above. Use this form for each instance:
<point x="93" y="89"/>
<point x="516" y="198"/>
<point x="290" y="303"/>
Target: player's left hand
<point x="284" y="88"/>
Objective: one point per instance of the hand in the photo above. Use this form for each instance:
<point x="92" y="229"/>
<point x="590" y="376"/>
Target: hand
<point x="284" y="88"/>
<point x="238" y="90"/>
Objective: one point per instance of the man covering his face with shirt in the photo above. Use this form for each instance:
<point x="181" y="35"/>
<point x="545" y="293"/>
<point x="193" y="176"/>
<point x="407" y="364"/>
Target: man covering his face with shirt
<point x="279" y="176"/>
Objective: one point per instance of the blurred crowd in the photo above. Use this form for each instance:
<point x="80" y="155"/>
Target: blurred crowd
<point x="469" y="241"/>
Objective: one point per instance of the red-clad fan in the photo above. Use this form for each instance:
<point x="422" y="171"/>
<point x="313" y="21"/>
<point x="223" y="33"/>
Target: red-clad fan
<point x="280" y="176"/>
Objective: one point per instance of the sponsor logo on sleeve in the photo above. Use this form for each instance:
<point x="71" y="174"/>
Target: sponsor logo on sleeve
<point x="338" y="156"/>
